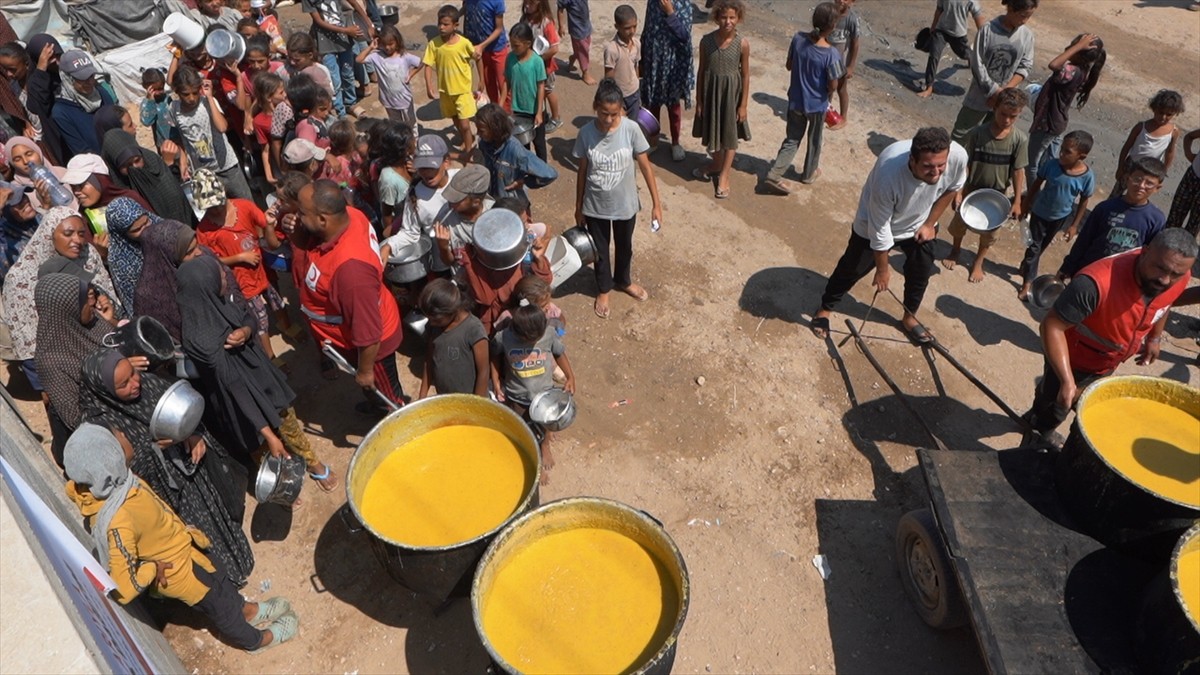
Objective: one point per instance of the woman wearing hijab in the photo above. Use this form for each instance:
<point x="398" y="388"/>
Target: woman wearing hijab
<point x="164" y="247"/>
<point x="667" y="73"/>
<point x="127" y="222"/>
<point x="244" y="390"/>
<point x="72" y="323"/>
<point x="110" y="117"/>
<point x="35" y="76"/>
<point x="21" y="281"/>
<point x="75" y="256"/>
<point x="23" y="153"/>
<point x="87" y="176"/>
<point x="130" y="165"/>
<point x="196" y="477"/>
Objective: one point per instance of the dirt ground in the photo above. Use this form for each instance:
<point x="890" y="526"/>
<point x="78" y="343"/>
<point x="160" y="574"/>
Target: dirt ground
<point x="766" y="463"/>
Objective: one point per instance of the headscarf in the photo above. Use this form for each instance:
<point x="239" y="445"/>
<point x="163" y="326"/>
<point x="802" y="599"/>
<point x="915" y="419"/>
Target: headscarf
<point x="10" y="146"/>
<point x="22" y="278"/>
<point x="125" y="254"/>
<point x="89" y="102"/>
<point x="245" y="391"/>
<point x="37" y="43"/>
<point x="163" y="248"/>
<point x="109" y="117"/>
<point x="94" y="456"/>
<point x="154" y="181"/>
<point x="63" y="341"/>
<point x="667" y="73"/>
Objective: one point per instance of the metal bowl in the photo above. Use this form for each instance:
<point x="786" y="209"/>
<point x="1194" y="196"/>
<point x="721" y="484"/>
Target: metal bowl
<point x="389" y="15"/>
<point x="224" y="45"/>
<point x="143" y="336"/>
<point x="409" y="263"/>
<point x="416" y="322"/>
<point x="581" y="240"/>
<point x="649" y="124"/>
<point x="984" y="210"/>
<point x="523" y="129"/>
<point x="553" y="409"/>
<point x="178" y="412"/>
<point x="1044" y="290"/>
<point x="279" y="481"/>
<point x="500" y="239"/>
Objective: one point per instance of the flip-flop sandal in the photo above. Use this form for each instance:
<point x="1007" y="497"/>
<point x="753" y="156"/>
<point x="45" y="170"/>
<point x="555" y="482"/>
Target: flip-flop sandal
<point x="602" y="311"/>
<point x="282" y="629"/>
<point x="820" y="327"/>
<point x="919" y="335"/>
<point x="269" y="610"/>
<point x="720" y="194"/>
<point x="326" y="481"/>
<point x="700" y="174"/>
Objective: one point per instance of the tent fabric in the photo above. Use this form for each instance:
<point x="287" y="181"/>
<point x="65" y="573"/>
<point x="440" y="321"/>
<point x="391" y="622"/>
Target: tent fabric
<point x="109" y="24"/>
<point x="37" y="16"/>
<point x="125" y="65"/>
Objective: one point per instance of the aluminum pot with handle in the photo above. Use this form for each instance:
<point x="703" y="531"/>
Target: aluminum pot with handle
<point x="500" y="239"/>
<point x="177" y="413"/>
<point x="279" y="480"/>
<point x="554" y="409"/>
<point x="409" y="263"/>
<point x="581" y="240"/>
<point x="143" y="336"/>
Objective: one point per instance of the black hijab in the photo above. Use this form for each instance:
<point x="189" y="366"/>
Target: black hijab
<point x="109" y="117"/>
<point x="163" y="248"/>
<point x="64" y="341"/>
<point x="154" y="181"/>
<point x="244" y="390"/>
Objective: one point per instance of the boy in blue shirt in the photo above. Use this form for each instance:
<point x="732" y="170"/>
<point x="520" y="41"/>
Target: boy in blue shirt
<point x="817" y="69"/>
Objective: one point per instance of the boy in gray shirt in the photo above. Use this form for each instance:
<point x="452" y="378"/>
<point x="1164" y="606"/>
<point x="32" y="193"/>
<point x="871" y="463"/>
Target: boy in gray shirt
<point x="949" y="27"/>
<point x="1002" y="58"/>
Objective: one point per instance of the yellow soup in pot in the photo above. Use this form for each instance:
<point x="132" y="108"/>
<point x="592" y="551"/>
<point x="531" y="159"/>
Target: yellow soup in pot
<point x="1189" y="578"/>
<point x="585" y="600"/>
<point x="446" y="486"/>
<point x="1153" y="444"/>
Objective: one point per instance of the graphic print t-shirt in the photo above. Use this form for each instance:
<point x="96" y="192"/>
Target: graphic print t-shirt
<point x="528" y="370"/>
<point x="611" y="190"/>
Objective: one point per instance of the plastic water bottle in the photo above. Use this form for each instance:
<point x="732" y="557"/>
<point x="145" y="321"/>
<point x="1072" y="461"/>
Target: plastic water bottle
<point x="59" y="195"/>
<point x="1026" y="235"/>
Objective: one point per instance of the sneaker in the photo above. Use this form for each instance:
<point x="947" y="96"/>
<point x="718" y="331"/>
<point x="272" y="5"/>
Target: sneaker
<point x="553" y="126"/>
<point x="677" y="153"/>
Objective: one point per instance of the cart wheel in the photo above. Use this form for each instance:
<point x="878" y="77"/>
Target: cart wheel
<point x="926" y="572"/>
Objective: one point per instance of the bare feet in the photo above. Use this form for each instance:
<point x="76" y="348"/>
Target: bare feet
<point x="950" y="261"/>
<point x="547" y="460"/>
<point x="589" y="80"/>
<point x="601" y="306"/>
<point x="636" y="292"/>
<point x="1023" y="294"/>
<point x="840" y="125"/>
<point x="977" y="273"/>
<point x="925" y="93"/>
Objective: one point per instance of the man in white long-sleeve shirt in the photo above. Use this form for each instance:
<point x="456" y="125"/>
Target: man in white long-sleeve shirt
<point x="906" y="192"/>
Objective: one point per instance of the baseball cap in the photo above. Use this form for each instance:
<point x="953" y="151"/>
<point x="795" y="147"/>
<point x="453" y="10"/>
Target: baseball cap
<point x="78" y="64"/>
<point x="207" y="190"/>
<point x="431" y="150"/>
<point x="81" y="167"/>
<point x="471" y="181"/>
<point x="18" y="192"/>
<point x="301" y="150"/>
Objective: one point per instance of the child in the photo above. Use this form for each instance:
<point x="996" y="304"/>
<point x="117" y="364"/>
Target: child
<point x="722" y="92"/>
<point x="1075" y="73"/>
<point x="343" y="150"/>
<point x="523" y="359"/>
<point x="607" y="199"/>
<point x="395" y="175"/>
<point x="426" y="204"/>
<point x="155" y="108"/>
<point x="232" y="228"/>
<point x="214" y="13"/>
<point x="996" y="155"/>
<point x="456" y="360"/>
<point x="257" y="60"/>
<point x="621" y="56"/>
<point x="512" y="165"/>
<point x="1002" y="58"/>
<point x="1063" y="186"/>
<point x="845" y="39"/>
<point x="949" y="26"/>
<point x="303" y="156"/>
<point x="580" y="30"/>
<point x="302" y="58"/>
<point x="483" y="26"/>
<point x="538" y="292"/>
<point x="537" y="14"/>
<point x="393" y="66"/>
<point x="1122" y="223"/>
<point x="451" y="55"/>
<point x="312" y="118"/>
<point x="1155" y="138"/>
<point x="526" y="77"/>
<point x="269" y="92"/>
<point x="144" y="545"/>
<point x="248" y="29"/>
<point x="268" y="23"/>
<point x="198" y="127"/>
<point x="816" y="68"/>
<point x="336" y="32"/>
<point x="467" y="195"/>
<point x="1185" y="206"/>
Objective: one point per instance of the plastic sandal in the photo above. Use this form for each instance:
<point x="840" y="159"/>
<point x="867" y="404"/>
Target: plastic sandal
<point x="270" y="610"/>
<point x="282" y="629"/>
<point x="322" y="478"/>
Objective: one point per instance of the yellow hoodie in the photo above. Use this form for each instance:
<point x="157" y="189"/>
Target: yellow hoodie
<point x="145" y="529"/>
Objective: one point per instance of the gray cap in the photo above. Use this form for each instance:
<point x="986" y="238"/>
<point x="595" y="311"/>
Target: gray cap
<point x="431" y="151"/>
<point x="78" y="64"/>
<point x="473" y="180"/>
<point x="18" y="192"/>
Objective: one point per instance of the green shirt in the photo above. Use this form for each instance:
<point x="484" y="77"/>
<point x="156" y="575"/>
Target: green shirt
<point x="991" y="161"/>
<point x="523" y="78"/>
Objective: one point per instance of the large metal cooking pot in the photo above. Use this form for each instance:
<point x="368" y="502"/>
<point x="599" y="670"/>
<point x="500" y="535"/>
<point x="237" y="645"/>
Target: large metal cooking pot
<point x="435" y="570"/>
<point x="554" y="409"/>
<point x="574" y="513"/>
<point x="409" y="263"/>
<point x="143" y="336"/>
<point x="279" y="480"/>
<point x="178" y="412"/>
<point x="1168" y="631"/>
<point x="500" y="239"/>
<point x="581" y="240"/>
<point x="984" y="210"/>
<point x="1109" y="505"/>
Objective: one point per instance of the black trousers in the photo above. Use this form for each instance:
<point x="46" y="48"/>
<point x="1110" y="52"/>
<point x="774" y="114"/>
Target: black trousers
<point x="223" y="605"/>
<point x="937" y="42"/>
<point x="859" y="259"/>
<point x="1045" y="414"/>
<point x="620" y="233"/>
<point x="1041" y="233"/>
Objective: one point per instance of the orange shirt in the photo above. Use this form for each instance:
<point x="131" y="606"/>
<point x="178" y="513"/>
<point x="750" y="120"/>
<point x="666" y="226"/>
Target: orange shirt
<point x="239" y="236"/>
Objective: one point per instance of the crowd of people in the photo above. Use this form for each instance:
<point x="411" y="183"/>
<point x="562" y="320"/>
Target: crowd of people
<point x="266" y="180"/>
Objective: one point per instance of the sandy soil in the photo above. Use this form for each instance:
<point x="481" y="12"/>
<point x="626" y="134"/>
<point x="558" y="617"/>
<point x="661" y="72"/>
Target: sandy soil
<point x="767" y="463"/>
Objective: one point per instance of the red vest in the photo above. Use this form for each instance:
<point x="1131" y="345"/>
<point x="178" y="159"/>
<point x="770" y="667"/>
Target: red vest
<point x="357" y="242"/>
<point x="1114" y="331"/>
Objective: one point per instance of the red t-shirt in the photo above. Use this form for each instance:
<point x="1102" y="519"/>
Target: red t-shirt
<point x="225" y="90"/>
<point x="241" y="236"/>
<point x="262" y="128"/>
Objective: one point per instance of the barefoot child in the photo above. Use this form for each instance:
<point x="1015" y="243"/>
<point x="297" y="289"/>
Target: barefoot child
<point x="452" y="55"/>
<point x="1075" y="73"/>
<point x="392" y="66"/>
<point x="722" y="92"/>
<point x="949" y="27"/>
<point x="456" y="358"/>
<point x="816" y="68"/>
<point x="579" y="27"/>
<point x="1155" y="138"/>
<point x="144" y="545"/>
<point x="845" y="39"/>
<point x="1059" y="195"/>
<point x="997" y="152"/>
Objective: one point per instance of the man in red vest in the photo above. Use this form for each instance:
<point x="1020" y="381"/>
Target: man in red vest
<point x="342" y="293"/>
<point x="1114" y="308"/>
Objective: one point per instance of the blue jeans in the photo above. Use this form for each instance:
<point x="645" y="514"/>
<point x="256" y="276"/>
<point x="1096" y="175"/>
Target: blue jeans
<point x="341" y="71"/>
